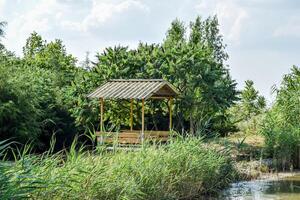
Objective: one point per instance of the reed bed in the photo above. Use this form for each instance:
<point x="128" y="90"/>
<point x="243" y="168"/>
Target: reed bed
<point x="183" y="169"/>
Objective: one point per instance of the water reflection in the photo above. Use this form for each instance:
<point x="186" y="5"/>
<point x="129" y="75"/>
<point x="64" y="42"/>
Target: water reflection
<point x="287" y="189"/>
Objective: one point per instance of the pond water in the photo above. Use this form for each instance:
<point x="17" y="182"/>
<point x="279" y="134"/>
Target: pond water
<point x="285" y="188"/>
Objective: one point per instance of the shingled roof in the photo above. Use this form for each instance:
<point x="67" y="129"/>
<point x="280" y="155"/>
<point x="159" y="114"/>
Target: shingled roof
<point x="134" y="89"/>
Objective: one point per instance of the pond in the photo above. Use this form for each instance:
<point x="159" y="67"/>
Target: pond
<point x="283" y="188"/>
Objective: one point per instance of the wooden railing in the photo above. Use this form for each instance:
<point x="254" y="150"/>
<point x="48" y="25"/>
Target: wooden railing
<point x="132" y="137"/>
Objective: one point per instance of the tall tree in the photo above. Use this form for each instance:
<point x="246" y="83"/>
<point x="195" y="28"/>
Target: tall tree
<point x="250" y="104"/>
<point x="2" y="25"/>
<point x="206" y="87"/>
<point x="34" y="95"/>
<point x="206" y="33"/>
<point x="281" y="126"/>
<point x="249" y="96"/>
<point x="34" y="45"/>
<point x="176" y="33"/>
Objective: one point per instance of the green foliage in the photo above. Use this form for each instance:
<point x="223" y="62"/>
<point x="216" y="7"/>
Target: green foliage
<point x="248" y="112"/>
<point x="195" y="67"/>
<point x="183" y="169"/>
<point x="281" y="126"/>
<point x="2" y="25"/>
<point x="44" y="92"/>
<point x="251" y="103"/>
<point x="32" y="88"/>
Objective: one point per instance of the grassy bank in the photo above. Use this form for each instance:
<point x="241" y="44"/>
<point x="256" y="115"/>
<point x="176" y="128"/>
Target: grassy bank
<point x="181" y="170"/>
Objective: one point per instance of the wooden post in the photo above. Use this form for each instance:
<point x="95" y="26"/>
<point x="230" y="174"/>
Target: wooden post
<point x="170" y="113"/>
<point x="101" y="120"/>
<point x="131" y="114"/>
<point x="143" y="120"/>
<point x="101" y="114"/>
<point x="299" y="156"/>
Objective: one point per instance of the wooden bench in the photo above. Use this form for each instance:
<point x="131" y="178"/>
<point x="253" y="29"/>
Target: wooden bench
<point x="132" y="137"/>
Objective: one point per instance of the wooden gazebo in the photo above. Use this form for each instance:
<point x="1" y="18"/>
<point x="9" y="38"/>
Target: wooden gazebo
<point x="139" y="90"/>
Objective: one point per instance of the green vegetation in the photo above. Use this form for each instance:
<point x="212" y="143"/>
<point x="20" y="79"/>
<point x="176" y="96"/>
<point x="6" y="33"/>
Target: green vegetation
<point x="43" y="97"/>
<point x="281" y="126"/>
<point x="247" y="113"/>
<point x="182" y="169"/>
<point x="44" y="91"/>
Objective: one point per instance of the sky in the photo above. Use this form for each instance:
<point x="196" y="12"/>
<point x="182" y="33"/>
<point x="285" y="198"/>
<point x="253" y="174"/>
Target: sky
<point x="262" y="36"/>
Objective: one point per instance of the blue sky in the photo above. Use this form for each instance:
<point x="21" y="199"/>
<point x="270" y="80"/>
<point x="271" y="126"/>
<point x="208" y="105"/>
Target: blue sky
<point x="262" y="36"/>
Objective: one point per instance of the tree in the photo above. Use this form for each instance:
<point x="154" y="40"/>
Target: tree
<point x="251" y="104"/>
<point x="248" y="99"/>
<point x="34" y="96"/>
<point x="197" y="65"/>
<point x="43" y="92"/>
<point x="206" y="33"/>
<point x="261" y="103"/>
<point x="281" y="127"/>
<point x="206" y="87"/>
<point x="176" y="34"/>
<point x="34" y="45"/>
<point x="2" y="25"/>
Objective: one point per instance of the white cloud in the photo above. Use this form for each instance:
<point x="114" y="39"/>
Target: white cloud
<point x="230" y="14"/>
<point x="2" y="4"/>
<point x="39" y="18"/>
<point x="291" y="28"/>
<point x="103" y="11"/>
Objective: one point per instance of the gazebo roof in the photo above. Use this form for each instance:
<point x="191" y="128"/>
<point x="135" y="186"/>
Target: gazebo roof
<point x="135" y="89"/>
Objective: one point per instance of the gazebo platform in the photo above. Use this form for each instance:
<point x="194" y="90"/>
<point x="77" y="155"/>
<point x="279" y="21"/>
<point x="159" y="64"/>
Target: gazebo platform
<point x="132" y="137"/>
<point x="134" y="90"/>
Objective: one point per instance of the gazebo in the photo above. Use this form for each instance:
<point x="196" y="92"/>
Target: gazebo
<point x="139" y="90"/>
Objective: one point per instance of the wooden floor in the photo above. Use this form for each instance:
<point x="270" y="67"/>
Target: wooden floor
<point x="132" y="137"/>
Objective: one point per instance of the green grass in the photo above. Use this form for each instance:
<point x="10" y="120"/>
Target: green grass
<point x="181" y="170"/>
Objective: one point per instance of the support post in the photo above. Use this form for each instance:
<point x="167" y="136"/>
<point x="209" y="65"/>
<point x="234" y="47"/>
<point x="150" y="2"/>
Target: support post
<point x="131" y="114"/>
<point x="101" y="114"/>
<point x="170" y="113"/>
<point x="143" y="120"/>
<point x="101" y="120"/>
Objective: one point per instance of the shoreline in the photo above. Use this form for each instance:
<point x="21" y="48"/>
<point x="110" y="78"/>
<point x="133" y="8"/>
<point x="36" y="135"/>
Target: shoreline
<point x="278" y="175"/>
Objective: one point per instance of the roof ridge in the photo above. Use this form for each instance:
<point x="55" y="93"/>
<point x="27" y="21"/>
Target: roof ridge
<point x="136" y="80"/>
<point x="134" y="89"/>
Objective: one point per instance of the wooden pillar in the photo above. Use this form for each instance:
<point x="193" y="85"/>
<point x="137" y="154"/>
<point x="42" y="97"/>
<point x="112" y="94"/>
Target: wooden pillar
<point x="170" y="113"/>
<point x="101" y="120"/>
<point x="131" y="114"/>
<point x="101" y="114"/>
<point x="143" y="119"/>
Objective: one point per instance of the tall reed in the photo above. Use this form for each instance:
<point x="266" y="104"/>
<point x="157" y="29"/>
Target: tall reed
<point x="183" y="169"/>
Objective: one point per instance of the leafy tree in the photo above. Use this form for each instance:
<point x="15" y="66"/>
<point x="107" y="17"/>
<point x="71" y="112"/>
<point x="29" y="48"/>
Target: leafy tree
<point x="43" y="92"/>
<point x="199" y="73"/>
<point x="248" y="99"/>
<point x="281" y="126"/>
<point x="250" y="104"/>
<point x="207" y="33"/>
<point x="2" y="25"/>
<point x="33" y="93"/>
<point x="176" y="34"/>
<point x="206" y="87"/>
<point x="261" y="103"/>
<point x="34" y="45"/>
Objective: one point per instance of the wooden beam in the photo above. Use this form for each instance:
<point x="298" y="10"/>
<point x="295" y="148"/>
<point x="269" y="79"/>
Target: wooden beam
<point x="170" y="113"/>
<point x="161" y="97"/>
<point x="131" y="114"/>
<point x="143" y="119"/>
